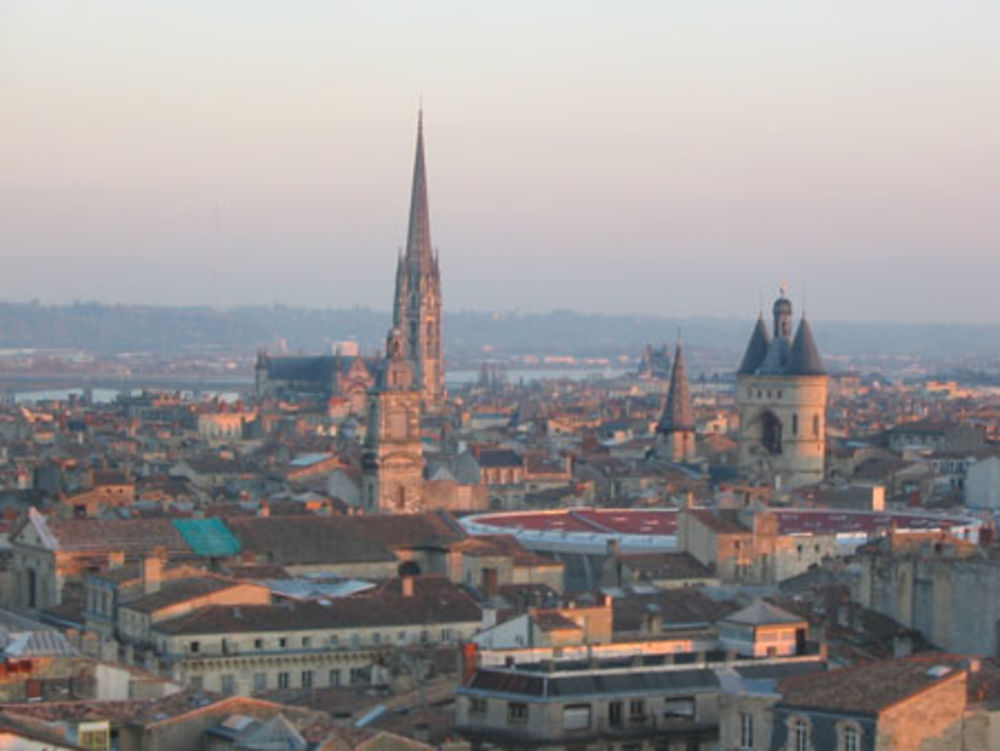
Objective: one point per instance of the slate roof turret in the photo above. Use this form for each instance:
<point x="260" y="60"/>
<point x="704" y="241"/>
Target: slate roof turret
<point x="677" y="413"/>
<point x="804" y="359"/>
<point x="756" y="348"/>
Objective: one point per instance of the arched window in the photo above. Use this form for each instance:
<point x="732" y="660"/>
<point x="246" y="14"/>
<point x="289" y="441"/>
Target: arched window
<point x="850" y="738"/>
<point x="771" y="432"/>
<point x="800" y="734"/>
<point x="816" y="426"/>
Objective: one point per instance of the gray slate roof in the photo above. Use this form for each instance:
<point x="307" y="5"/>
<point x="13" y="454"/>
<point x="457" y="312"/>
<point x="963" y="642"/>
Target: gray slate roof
<point x="756" y="348"/>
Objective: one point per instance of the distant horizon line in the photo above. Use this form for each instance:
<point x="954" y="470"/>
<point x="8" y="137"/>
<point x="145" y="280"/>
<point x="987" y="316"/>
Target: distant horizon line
<point x="485" y="311"/>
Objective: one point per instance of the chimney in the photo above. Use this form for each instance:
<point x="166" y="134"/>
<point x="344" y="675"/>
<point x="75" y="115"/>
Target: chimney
<point x="407" y="583"/>
<point x="152" y="570"/>
<point x="491" y="583"/>
<point x="116" y="559"/>
<point x="470" y="661"/>
<point x="971" y="664"/>
<point x="264" y="509"/>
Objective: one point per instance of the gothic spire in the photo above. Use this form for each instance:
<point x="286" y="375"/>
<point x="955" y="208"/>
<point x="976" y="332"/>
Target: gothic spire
<point x="677" y="414"/>
<point x="418" y="241"/>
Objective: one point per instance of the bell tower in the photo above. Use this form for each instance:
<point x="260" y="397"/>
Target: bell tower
<point x="392" y="465"/>
<point x="781" y="395"/>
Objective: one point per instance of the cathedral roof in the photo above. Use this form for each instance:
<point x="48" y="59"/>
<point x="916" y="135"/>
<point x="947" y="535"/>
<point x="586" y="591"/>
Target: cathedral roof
<point x="677" y="414"/>
<point x="756" y="348"/>
<point x="804" y="357"/>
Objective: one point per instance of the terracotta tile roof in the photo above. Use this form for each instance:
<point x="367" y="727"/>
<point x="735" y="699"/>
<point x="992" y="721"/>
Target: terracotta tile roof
<point x="130" y="535"/>
<point x="503" y="545"/>
<point x="682" y="607"/>
<point x="654" y="566"/>
<point x="175" y="592"/>
<point x="553" y="620"/>
<point x="289" y="540"/>
<point x="434" y="600"/>
<point x="868" y="689"/>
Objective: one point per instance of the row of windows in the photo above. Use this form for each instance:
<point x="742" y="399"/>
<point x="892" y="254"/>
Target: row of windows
<point x="762" y="392"/>
<point x="333" y="640"/>
<point x="619" y="713"/>
<point x="307" y="679"/>
<point x="848" y="735"/>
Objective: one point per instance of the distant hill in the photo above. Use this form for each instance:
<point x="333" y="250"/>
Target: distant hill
<point x="128" y="328"/>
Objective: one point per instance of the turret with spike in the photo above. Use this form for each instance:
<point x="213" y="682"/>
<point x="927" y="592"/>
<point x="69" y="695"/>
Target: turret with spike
<point x="781" y="395"/>
<point x="675" y="431"/>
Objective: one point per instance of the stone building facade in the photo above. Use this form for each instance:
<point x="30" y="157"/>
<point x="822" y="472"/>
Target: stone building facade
<point x="781" y="395"/>
<point x="947" y="588"/>
<point x="392" y="466"/>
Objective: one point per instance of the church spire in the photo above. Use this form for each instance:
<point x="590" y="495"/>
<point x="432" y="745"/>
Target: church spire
<point x="677" y="413"/>
<point x="418" y="241"/>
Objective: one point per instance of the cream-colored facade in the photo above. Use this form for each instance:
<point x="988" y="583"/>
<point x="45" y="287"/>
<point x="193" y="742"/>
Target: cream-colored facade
<point x="781" y="391"/>
<point x="241" y="663"/>
<point x="782" y="428"/>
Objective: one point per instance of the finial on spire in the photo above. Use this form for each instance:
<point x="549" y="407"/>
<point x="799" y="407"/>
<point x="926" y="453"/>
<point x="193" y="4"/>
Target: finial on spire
<point x="784" y="288"/>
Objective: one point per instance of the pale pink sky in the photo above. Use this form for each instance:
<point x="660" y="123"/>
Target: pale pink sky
<point x="673" y="158"/>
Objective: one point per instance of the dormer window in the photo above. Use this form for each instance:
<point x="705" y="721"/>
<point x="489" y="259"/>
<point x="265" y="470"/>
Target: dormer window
<point x="848" y="736"/>
<point x="800" y="734"/>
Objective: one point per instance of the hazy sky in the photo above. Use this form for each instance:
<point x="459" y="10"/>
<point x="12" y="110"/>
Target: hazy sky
<point x="677" y="157"/>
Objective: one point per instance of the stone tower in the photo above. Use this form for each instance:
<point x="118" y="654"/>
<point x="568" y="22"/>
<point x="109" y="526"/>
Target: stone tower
<point x="781" y="395"/>
<point x="417" y="305"/>
<point x="392" y="466"/>
<point x="675" y="431"/>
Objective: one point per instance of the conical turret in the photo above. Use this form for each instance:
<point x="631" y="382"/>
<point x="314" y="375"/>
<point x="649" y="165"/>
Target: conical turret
<point x="804" y="359"/>
<point x="677" y="413"/>
<point x="756" y="348"/>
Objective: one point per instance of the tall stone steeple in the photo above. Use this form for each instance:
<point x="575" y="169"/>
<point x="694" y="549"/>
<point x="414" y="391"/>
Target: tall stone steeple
<point x="675" y="431"/>
<point x="417" y="304"/>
